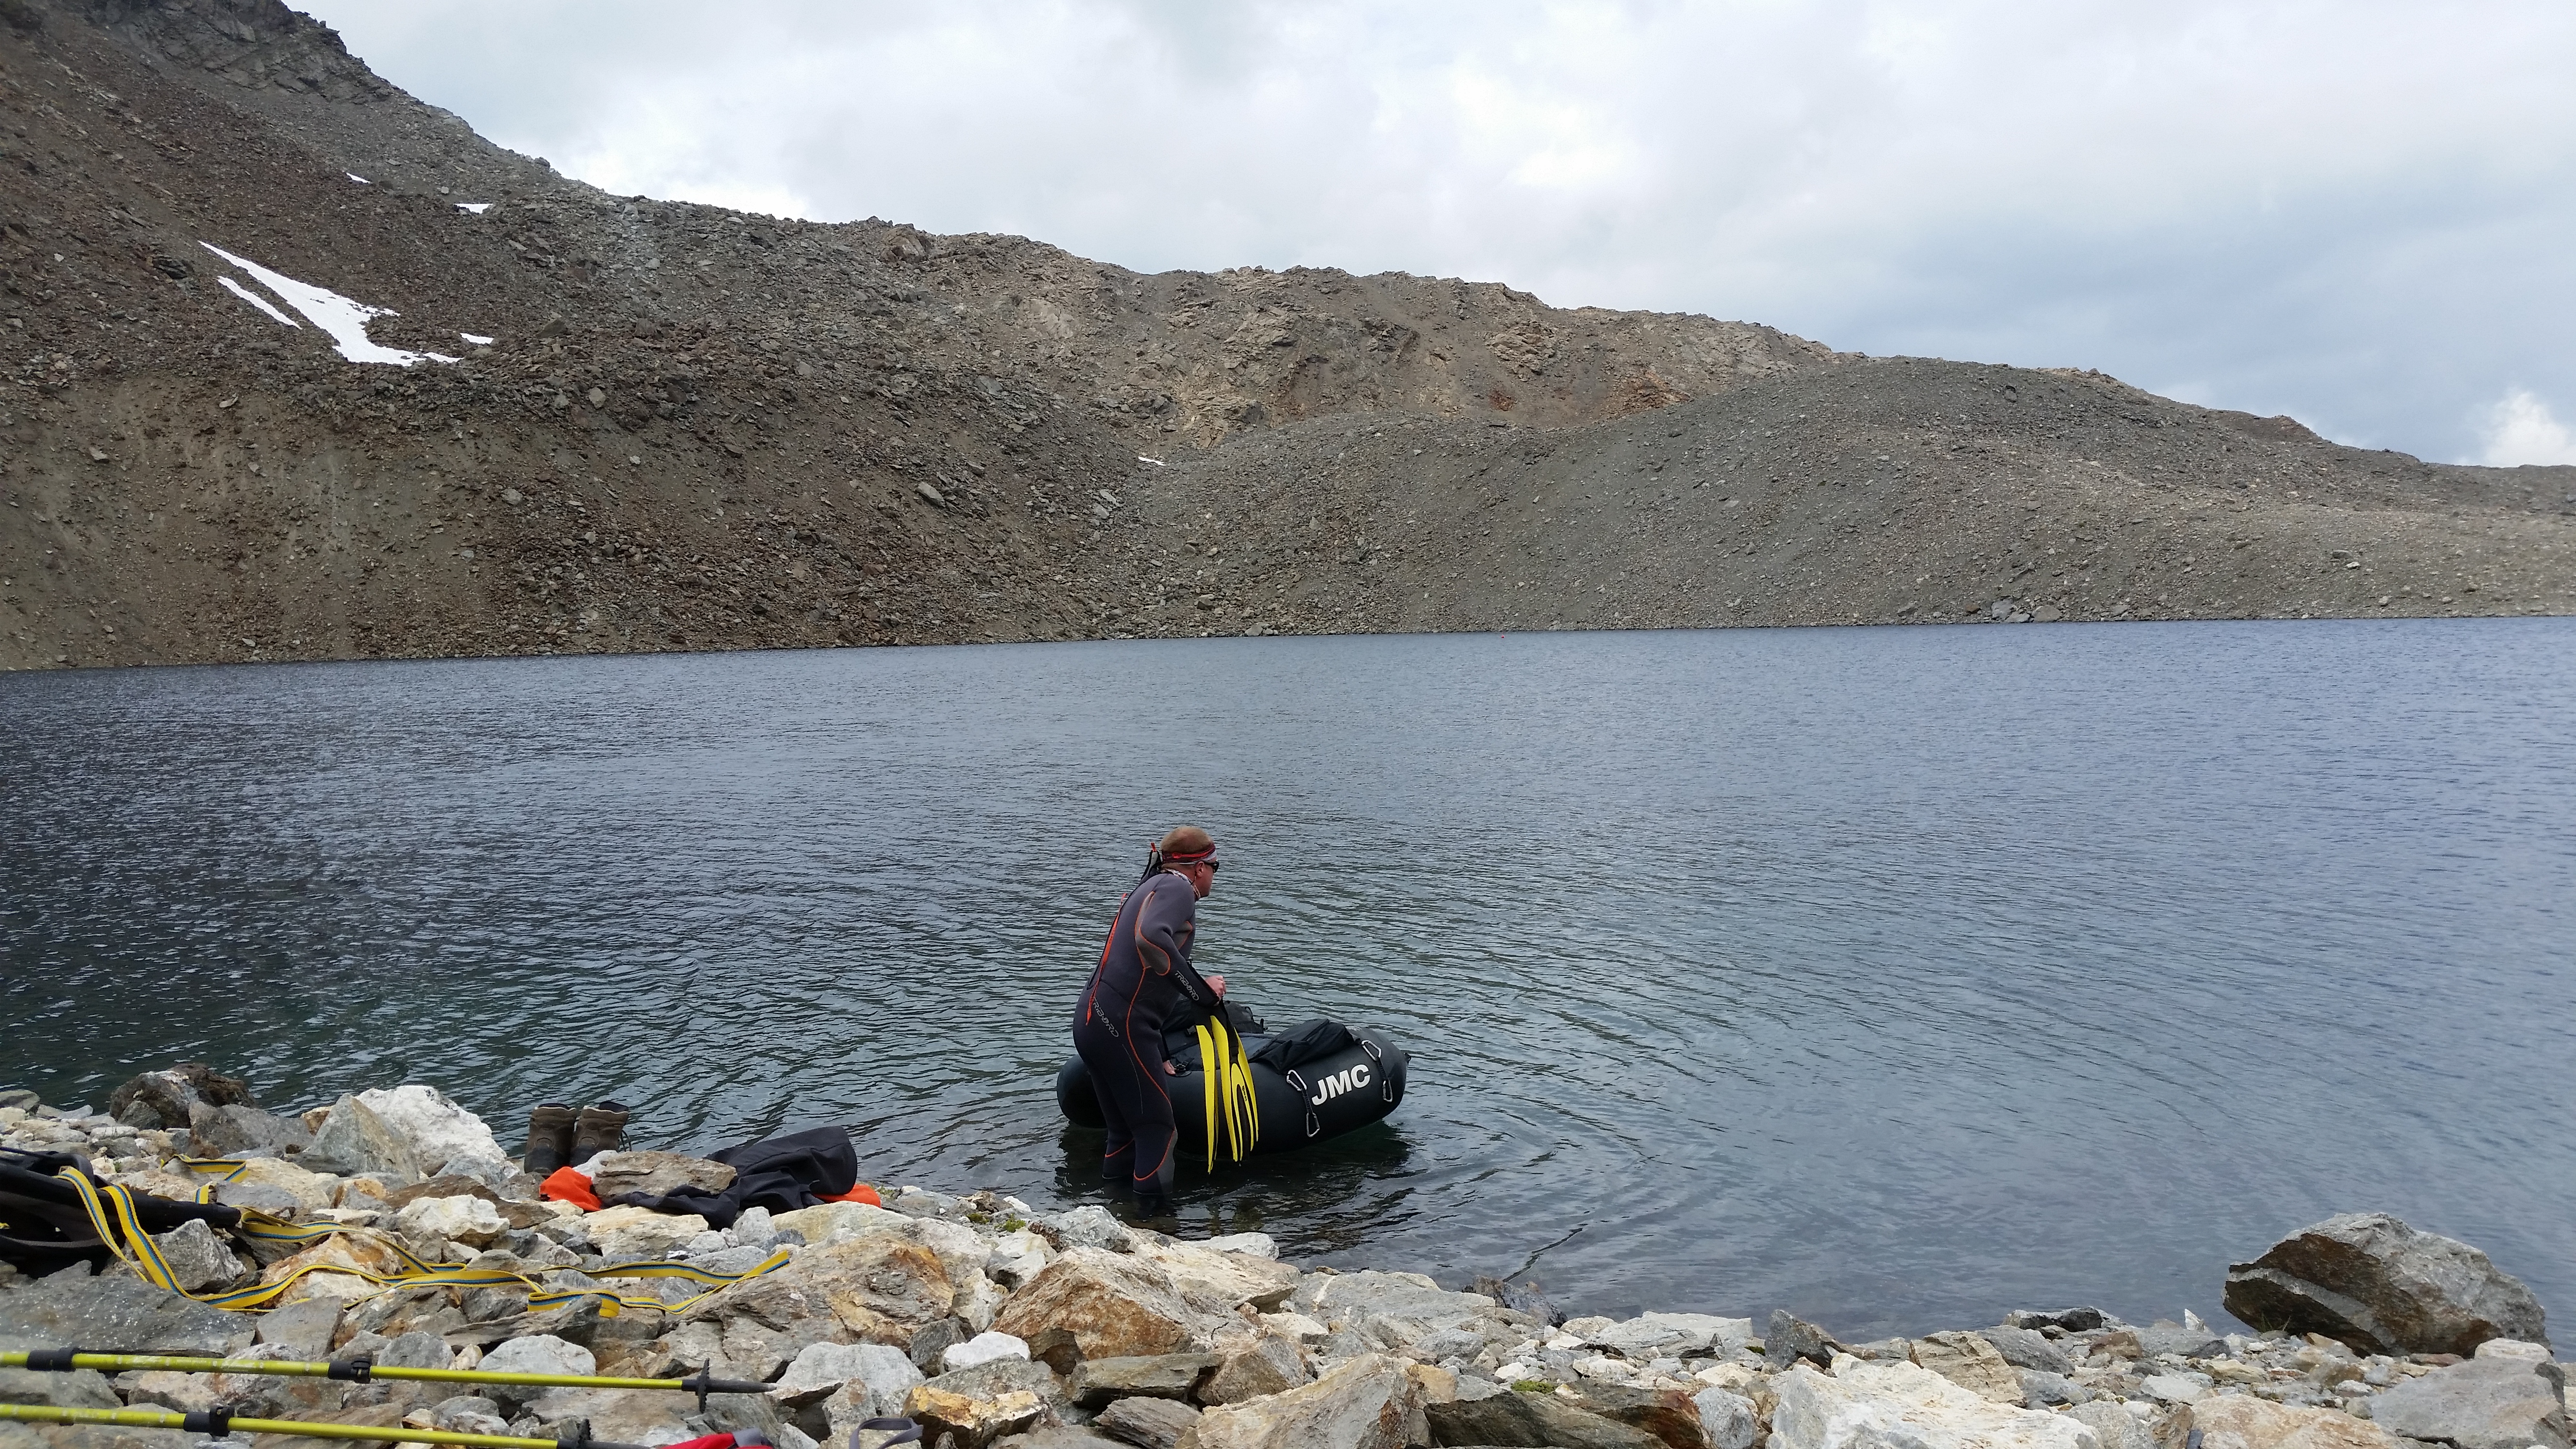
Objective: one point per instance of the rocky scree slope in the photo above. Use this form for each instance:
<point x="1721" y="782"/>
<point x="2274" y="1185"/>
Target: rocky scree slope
<point x="692" y="428"/>
<point x="1858" y="490"/>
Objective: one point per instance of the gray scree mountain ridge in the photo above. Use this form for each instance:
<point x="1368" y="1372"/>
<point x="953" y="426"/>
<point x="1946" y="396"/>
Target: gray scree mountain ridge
<point x="693" y="428"/>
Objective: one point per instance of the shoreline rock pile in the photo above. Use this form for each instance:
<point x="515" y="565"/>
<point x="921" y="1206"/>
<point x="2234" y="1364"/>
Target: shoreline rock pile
<point x="992" y="1323"/>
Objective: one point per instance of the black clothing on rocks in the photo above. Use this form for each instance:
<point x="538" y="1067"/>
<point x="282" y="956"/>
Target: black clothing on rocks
<point x="781" y="1174"/>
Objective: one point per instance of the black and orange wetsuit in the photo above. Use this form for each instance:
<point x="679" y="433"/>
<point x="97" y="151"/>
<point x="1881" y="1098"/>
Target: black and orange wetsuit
<point x="1143" y="979"/>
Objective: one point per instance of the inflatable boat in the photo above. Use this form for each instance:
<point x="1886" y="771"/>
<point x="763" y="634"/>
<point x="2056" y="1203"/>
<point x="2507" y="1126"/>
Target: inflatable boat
<point x="1268" y="1092"/>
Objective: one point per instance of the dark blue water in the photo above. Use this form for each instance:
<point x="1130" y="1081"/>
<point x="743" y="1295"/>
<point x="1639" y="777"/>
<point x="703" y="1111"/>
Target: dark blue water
<point x="1897" y="977"/>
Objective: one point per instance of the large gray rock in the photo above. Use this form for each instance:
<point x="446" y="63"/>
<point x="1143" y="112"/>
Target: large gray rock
<point x="267" y="1396"/>
<point x="1002" y="1376"/>
<point x="277" y="1202"/>
<point x="875" y="1380"/>
<point x="1371" y="1402"/>
<point x="2028" y="1348"/>
<point x="434" y="1129"/>
<point x="1413" y="1306"/>
<point x="242" y="1131"/>
<point x="118" y="1312"/>
<point x="2040" y="1388"/>
<point x="353" y="1142"/>
<point x="1971" y="1362"/>
<point x="2241" y="1421"/>
<point x="2181" y="1340"/>
<point x="819" y="1370"/>
<point x="880" y="1288"/>
<point x="541" y="1353"/>
<point x="303" y="1330"/>
<point x="968" y="1422"/>
<point x="162" y="1099"/>
<point x="2380" y="1286"/>
<point x="1099" y="1382"/>
<point x="656" y="1416"/>
<point x="1673" y="1335"/>
<point x="199" y="1257"/>
<point x="1528" y="1420"/>
<point x="1729" y="1420"/>
<point x="1114" y="1306"/>
<point x="2114" y="1427"/>
<point x="1271" y="1363"/>
<point x="1881" y="1406"/>
<point x="2073" y="1320"/>
<point x="1088" y="1226"/>
<point x="1668" y="1414"/>
<point x="1147" y="1423"/>
<point x="1786" y="1339"/>
<point x="614" y="1174"/>
<point x="2486" y="1403"/>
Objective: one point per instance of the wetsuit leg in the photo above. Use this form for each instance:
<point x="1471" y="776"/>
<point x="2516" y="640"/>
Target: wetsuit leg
<point x="1135" y="1098"/>
<point x="1106" y="1056"/>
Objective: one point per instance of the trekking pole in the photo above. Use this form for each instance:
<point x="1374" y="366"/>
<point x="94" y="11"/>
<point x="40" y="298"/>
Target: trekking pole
<point x="359" y="1371"/>
<point x="219" y="1424"/>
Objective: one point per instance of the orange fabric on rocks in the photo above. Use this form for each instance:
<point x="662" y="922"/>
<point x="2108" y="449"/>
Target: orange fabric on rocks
<point x="861" y="1194"/>
<point x="565" y="1184"/>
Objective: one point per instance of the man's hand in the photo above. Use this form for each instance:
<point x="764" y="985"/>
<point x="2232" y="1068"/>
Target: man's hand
<point x="1216" y="984"/>
<point x="1171" y="1068"/>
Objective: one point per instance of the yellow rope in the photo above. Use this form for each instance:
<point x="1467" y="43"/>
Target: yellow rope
<point x="112" y="1214"/>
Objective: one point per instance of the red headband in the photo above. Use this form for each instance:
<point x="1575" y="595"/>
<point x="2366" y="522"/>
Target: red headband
<point x="1190" y="857"/>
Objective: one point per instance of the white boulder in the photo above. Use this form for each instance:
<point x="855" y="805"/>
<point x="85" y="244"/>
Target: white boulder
<point x="1903" y="1406"/>
<point x="634" y="1234"/>
<point x="467" y="1220"/>
<point x="983" y="1348"/>
<point x="435" y="1128"/>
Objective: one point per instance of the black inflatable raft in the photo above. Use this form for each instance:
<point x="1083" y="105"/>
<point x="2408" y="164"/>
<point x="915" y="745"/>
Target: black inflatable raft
<point x="1310" y="1083"/>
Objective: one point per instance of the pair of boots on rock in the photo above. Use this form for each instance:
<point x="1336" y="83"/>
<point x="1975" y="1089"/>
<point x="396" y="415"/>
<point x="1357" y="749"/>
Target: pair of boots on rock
<point x="560" y="1137"/>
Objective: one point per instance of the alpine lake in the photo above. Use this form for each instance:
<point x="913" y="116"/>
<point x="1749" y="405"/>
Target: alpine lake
<point x="1897" y="977"/>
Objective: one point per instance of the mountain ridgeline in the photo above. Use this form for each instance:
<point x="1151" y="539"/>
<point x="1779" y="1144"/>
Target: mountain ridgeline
<point x="651" y="425"/>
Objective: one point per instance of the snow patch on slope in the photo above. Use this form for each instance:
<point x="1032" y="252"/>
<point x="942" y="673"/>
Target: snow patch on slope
<point x="340" y="318"/>
<point x="256" y="300"/>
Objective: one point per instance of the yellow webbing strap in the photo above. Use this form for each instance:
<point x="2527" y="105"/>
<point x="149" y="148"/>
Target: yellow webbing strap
<point x="221" y="1169"/>
<point x="112" y="1214"/>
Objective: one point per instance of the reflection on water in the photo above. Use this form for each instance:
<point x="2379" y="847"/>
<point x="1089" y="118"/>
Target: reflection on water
<point x="1898" y="977"/>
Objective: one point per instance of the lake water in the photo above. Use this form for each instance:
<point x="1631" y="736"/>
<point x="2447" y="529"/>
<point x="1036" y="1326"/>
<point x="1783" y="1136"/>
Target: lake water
<point x="1899" y="977"/>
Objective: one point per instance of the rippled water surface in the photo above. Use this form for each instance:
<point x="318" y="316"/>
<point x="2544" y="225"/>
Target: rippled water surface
<point x="1897" y="977"/>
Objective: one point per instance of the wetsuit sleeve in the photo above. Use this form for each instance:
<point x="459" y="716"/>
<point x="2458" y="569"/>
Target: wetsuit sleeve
<point x="1165" y="922"/>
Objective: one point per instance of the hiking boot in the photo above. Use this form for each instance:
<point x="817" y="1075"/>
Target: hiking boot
<point x="549" y="1139"/>
<point x="601" y="1127"/>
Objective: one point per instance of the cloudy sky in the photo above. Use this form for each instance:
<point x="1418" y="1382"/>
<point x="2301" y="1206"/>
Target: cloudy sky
<point x="2359" y="213"/>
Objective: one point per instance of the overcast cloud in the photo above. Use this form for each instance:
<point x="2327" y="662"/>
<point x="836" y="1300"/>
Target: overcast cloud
<point x="2362" y="214"/>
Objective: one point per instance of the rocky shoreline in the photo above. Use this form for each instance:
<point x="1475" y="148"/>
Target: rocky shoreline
<point x="992" y="1323"/>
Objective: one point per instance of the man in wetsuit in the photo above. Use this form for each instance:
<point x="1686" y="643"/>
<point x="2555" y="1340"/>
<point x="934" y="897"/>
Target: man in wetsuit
<point x="1144" y="980"/>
